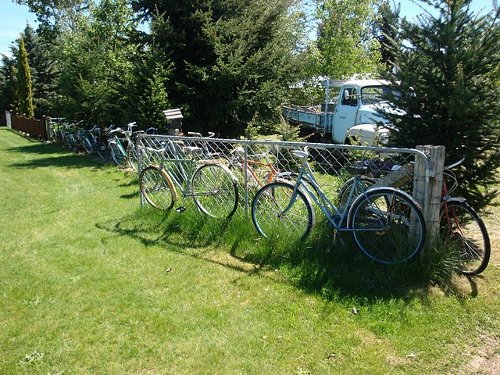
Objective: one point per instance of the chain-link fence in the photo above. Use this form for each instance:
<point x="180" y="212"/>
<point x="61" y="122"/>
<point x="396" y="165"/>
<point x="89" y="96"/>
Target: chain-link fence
<point x="256" y="163"/>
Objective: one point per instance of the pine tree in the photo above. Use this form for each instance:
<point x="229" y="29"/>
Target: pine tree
<point x="154" y="100"/>
<point x="232" y="60"/>
<point x="447" y="76"/>
<point x="24" y="84"/>
<point x="385" y="29"/>
<point x="7" y="83"/>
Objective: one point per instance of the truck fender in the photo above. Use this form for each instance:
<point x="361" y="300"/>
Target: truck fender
<point x="367" y="134"/>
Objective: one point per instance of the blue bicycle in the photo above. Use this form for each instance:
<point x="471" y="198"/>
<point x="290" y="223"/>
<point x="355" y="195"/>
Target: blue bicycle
<point x="386" y="223"/>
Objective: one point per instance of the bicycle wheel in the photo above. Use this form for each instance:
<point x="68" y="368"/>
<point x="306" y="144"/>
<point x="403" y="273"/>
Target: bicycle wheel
<point x="388" y="225"/>
<point x="157" y="188"/>
<point x="117" y="153"/>
<point x="271" y="219"/>
<point x="344" y="191"/>
<point x="215" y="191"/>
<point x="463" y="229"/>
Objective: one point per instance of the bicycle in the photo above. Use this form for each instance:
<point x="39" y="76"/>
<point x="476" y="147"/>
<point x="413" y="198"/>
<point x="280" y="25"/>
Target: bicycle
<point x="386" y="224"/>
<point x="211" y="185"/>
<point x="91" y="141"/>
<point x="461" y="227"/>
<point x="122" y="150"/>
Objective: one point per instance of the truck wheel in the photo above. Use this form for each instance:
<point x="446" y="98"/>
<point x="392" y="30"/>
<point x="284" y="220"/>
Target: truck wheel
<point x="351" y="141"/>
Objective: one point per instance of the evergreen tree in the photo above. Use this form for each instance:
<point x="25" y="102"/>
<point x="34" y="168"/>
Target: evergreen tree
<point x="386" y="27"/>
<point x="24" y="91"/>
<point x="43" y="72"/>
<point x="7" y="83"/>
<point x="153" y="100"/>
<point x="232" y="60"/>
<point x="447" y="76"/>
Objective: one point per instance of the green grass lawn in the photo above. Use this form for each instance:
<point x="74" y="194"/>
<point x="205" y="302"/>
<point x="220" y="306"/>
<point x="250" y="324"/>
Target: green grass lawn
<point x="90" y="283"/>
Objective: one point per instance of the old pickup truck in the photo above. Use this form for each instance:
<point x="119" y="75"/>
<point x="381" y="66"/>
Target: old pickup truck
<point x="351" y="117"/>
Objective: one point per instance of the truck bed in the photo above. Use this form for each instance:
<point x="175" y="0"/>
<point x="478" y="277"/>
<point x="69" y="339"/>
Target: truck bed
<point x="307" y="117"/>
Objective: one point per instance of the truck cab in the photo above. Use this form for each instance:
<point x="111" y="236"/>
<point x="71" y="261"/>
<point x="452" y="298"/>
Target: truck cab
<point x="350" y="113"/>
<point x="356" y="118"/>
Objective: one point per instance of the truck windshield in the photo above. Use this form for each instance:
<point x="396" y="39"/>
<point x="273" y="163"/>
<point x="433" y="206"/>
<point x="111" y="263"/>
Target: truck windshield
<point x="374" y="94"/>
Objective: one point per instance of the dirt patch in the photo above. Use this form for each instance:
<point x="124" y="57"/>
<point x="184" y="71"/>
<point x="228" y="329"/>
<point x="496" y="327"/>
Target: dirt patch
<point x="487" y="360"/>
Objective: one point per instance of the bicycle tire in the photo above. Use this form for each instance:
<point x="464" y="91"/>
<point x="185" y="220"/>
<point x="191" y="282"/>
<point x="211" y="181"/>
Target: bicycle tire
<point x="268" y="214"/>
<point x="462" y="228"/>
<point x="387" y="225"/>
<point x="117" y="153"/>
<point x="157" y="188"/>
<point x="215" y="191"/>
<point x="345" y="189"/>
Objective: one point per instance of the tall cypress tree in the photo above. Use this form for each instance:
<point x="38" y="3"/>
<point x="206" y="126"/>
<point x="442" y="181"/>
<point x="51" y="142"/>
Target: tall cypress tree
<point x="447" y="76"/>
<point x="43" y="69"/>
<point x="24" y="84"/>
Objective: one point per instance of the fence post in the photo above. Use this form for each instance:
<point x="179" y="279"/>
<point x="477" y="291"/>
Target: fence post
<point x="427" y="187"/>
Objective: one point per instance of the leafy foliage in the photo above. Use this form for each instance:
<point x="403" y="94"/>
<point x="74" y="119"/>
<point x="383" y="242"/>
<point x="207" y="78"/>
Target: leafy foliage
<point x="447" y="83"/>
<point x="7" y="83"/>
<point x="345" y="43"/>
<point x="97" y="65"/>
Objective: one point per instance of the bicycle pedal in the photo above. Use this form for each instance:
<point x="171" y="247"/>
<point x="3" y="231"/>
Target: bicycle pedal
<point x="180" y="209"/>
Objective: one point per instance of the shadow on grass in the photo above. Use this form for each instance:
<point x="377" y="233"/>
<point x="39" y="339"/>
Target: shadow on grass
<point x="317" y="266"/>
<point x="55" y="156"/>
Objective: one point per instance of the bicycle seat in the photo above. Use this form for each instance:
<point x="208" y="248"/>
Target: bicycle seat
<point x="300" y="154"/>
<point x="356" y="169"/>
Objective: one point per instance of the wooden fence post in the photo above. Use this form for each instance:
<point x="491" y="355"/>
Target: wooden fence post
<point x="427" y="187"/>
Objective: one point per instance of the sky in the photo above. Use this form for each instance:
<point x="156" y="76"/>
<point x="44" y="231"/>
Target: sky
<point x="13" y="18"/>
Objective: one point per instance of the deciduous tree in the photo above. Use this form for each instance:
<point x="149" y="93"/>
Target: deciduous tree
<point x="345" y="41"/>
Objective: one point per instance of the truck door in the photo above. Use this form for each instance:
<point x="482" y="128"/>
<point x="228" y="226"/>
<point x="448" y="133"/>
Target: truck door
<point x="345" y="113"/>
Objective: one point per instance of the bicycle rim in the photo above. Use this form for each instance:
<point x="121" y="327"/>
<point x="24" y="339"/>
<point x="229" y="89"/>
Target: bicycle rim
<point x="387" y="225"/>
<point x="464" y="231"/>
<point x="156" y="189"/>
<point x="271" y="219"/>
<point x="215" y="191"/>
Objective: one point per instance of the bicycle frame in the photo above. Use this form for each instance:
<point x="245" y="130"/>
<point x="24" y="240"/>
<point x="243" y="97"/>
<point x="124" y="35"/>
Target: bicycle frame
<point x="247" y="166"/>
<point x="339" y="219"/>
